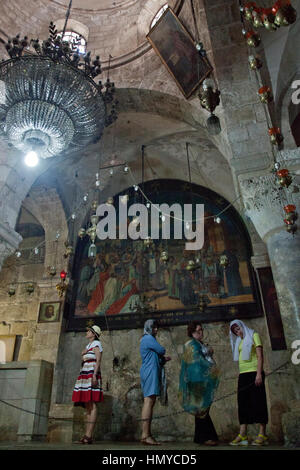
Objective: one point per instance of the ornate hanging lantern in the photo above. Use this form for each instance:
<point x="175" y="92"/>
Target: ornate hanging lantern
<point x="191" y="266"/>
<point x="257" y="21"/>
<point x="209" y="97"/>
<point x="164" y="257"/>
<point x="284" y="13"/>
<point x="248" y="10"/>
<point x="224" y="261"/>
<point x="291" y="217"/>
<point x="265" y="94"/>
<point x="255" y="63"/>
<point x="284" y="178"/>
<point x="52" y="270"/>
<point x="268" y="19"/>
<point x="62" y="286"/>
<point x="276" y="137"/>
<point x="252" y="38"/>
<point x="11" y="290"/>
<point x="69" y="250"/>
<point x="29" y="287"/>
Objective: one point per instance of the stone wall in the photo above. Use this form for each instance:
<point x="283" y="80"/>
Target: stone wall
<point x="25" y="391"/>
<point x="19" y="312"/>
<point x="120" y="412"/>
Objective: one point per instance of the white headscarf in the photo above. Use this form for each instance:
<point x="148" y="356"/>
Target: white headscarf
<point x="247" y="341"/>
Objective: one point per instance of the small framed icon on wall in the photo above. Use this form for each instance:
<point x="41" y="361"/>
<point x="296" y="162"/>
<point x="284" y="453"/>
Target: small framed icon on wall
<point x="49" y="312"/>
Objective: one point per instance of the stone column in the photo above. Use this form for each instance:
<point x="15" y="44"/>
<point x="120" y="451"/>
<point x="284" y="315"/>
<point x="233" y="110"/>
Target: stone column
<point x="264" y="204"/>
<point x="9" y="242"/>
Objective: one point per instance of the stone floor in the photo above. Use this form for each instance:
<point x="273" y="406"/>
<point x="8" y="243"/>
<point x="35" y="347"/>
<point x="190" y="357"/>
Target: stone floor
<point x="128" y="446"/>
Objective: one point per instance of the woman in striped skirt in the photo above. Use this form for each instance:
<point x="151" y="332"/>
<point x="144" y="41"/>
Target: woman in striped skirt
<point x="88" y="389"/>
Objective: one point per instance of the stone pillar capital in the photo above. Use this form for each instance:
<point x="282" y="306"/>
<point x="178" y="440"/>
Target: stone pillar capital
<point x="264" y="202"/>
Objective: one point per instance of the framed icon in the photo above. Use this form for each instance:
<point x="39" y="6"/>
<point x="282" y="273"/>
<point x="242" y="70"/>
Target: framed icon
<point x="177" y="51"/>
<point x="49" y="312"/>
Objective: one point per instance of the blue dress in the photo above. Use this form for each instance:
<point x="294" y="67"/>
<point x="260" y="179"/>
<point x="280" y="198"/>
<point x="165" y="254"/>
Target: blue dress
<point x="150" y="349"/>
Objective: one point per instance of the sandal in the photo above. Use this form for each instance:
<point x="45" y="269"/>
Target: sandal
<point x="86" y="440"/>
<point x="261" y="440"/>
<point x="210" y="442"/>
<point x="239" y="441"/>
<point x="152" y="443"/>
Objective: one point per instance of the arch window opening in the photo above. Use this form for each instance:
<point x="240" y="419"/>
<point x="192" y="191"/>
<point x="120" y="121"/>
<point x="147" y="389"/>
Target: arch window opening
<point x="158" y="15"/>
<point x="77" y="40"/>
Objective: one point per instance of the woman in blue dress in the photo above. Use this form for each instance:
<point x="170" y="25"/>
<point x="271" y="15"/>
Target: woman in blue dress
<point x="152" y="354"/>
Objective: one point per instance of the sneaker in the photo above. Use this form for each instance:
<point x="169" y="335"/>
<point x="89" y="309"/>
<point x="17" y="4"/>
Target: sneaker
<point x="239" y="441"/>
<point x="261" y="440"/>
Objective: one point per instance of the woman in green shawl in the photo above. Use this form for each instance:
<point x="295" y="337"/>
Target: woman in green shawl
<point x="199" y="379"/>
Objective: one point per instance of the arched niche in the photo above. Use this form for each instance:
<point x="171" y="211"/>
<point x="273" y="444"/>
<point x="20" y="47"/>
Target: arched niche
<point x="73" y="25"/>
<point x="108" y="288"/>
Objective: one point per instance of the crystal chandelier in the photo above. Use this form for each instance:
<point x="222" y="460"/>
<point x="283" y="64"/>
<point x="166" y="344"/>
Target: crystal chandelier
<point x="49" y="101"/>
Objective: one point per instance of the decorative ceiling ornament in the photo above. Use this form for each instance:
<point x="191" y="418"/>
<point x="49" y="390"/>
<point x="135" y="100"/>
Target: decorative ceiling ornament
<point x="50" y="102"/>
<point x="282" y="13"/>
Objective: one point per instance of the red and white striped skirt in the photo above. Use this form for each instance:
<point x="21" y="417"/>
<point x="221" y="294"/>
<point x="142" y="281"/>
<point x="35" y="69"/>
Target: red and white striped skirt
<point x="83" y="391"/>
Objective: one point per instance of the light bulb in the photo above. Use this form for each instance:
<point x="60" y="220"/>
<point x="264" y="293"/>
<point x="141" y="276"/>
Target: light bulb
<point x="31" y="159"/>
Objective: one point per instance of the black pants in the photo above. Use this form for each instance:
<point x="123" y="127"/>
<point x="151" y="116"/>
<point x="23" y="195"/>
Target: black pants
<point x="204" y="430"/>
<point x="252" y="401"/>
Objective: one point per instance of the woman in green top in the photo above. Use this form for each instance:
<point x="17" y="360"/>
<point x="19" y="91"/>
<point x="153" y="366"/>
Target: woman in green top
<point x="252" y="403"/>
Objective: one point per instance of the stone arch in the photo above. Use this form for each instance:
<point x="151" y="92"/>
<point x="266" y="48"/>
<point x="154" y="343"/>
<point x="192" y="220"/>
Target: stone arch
<point x="17" y="179"/>
<point x="163" y="104"/>
<point x="45" y="205"/>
